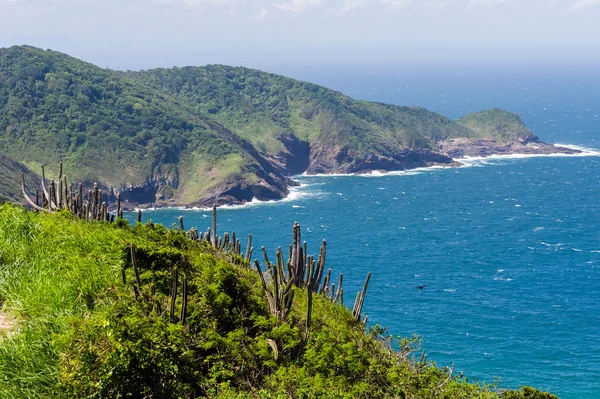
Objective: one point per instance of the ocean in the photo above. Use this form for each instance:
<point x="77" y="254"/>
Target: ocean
<point x="509" y="247"/>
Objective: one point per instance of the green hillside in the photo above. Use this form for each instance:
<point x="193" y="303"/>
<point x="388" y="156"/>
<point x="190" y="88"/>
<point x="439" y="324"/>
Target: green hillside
<point x="263" y="108"/>
<point x="198" y="135"/>
<point x="504" y="126"/>
<point x="108" y="320"/>
<point x="109" y="130"/>
<point x="10" y="180"/>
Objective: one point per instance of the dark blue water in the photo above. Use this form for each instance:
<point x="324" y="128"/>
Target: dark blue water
<point x="509" y="248"/>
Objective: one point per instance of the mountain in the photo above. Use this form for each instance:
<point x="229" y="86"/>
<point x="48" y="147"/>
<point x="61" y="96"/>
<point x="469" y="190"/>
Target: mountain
<point x="109" y="130"/>
<point x="305" y="127"/>
<point x="198" y="135"/>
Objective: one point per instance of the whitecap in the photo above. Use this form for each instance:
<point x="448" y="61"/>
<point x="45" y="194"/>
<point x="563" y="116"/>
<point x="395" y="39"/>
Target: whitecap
<point x="486" y="160"/>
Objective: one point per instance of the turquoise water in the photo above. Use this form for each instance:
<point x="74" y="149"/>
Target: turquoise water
<point x="509" y="247"/>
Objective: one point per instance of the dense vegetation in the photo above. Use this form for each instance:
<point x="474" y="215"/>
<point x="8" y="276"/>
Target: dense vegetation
<point x="262" y="106"/>
<point x="89" y="325"/>
<point x="505" y="126"/>
<point x="196" y="134"/>
<point x="10" y="175"/>
<point x="109" y="130"/>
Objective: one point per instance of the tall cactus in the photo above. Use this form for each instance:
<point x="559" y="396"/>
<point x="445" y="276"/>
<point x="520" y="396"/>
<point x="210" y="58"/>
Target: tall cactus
<point x="279" y="297"/>
<point x="214" y="226"/>
<point x="360" y="300"/>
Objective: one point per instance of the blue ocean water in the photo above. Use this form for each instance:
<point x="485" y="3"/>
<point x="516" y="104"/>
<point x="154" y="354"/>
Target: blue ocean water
<point x="509" y="247"/>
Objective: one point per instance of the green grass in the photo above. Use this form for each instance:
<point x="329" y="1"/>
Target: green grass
<point x="50" y="269"/>
<point x="80" y="332"/>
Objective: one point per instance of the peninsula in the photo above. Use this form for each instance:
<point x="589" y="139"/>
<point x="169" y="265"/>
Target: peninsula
<point x="195" y="136"/>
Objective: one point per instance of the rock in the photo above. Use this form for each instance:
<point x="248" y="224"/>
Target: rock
<point x="483" y="147"/>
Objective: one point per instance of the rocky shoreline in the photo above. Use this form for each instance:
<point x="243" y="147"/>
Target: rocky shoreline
<point x="451" y="152"/>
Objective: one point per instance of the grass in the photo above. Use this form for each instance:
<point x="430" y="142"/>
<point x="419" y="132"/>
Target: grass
<point x="80" y="331"/>
<point x="50" y="270"/>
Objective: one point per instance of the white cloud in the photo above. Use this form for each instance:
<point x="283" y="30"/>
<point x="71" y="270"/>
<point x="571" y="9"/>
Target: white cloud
<point x="397" y="3"/>
<point x="352" y="4"/>
<point x="296" y="5"/>
<point x="583" y="4"/>
<point x="477" y="3"/>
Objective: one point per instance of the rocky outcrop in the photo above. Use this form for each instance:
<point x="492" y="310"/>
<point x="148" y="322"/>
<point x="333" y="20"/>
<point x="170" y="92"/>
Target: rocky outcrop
<point x="294" y="159"/>
<point x="344" y="160"/>
<point x="483" y="147"/>
<point x="240" y="191"/>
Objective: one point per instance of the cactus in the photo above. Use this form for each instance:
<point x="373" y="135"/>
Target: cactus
<point x="214" y="226"/>
<point x="249" y="248"/>
<point x="27" y="198"/>
<point x="339" y="290"/>
<point x="360" y="300"/>
<point x="184" y="299"/>
<point x="119" y="216"/>
<point x="174" y="294"/>
<point x="280" y="297"/>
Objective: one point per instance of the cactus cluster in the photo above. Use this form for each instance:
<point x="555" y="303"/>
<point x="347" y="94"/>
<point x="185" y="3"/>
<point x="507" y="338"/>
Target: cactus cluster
<point x="174" y="292"/>
<point x="301" y="270"/>
<point x="228" y="244"/>
<point x="59" y="195"/>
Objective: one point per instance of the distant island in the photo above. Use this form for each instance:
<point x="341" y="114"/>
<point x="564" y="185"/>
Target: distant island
<point x="195" y="136"/>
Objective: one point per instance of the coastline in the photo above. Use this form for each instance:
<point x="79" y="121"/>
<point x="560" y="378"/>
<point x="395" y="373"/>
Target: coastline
<point x="295" y="192"/>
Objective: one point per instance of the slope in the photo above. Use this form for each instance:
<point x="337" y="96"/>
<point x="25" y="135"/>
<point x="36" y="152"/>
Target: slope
<point x="97" y="314"/>
<point x="109" y="130"/>
<point x="284" y="118"/>
<point x="10" y="180"/>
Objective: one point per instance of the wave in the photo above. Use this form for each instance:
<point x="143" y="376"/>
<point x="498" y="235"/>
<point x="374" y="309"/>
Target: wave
<point x="377" y="173"/>
<point x="485" y="160"/>
<point x="303" y="192"/>
<point x="295" y="194"/>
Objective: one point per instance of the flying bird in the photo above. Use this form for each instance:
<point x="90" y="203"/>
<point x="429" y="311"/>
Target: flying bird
<point x="420" y="287"/>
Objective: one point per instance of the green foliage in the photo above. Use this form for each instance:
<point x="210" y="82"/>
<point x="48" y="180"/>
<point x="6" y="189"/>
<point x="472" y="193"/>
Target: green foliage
<point x="106" y="128"/>
<point x="84" y="332"/>
<point x="527" y="393"/>
<point x="505" y="126"/>
<point x="10" y="180"/>
<point x="262" y="107"/>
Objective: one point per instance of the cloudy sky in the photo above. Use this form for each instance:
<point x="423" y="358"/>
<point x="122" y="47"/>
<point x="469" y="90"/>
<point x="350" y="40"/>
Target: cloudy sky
<point x="134" y="34"/>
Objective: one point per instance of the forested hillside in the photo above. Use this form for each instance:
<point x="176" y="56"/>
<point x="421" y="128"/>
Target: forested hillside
<point x="199" y="135"/>
<point x="109" y="130"/>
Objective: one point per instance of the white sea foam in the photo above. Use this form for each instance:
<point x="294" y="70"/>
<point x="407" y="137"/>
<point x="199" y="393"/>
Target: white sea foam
<point x="488" y="160"/>
<point x="295" y="193"/>
<point x="377" y="173"/>
<point x="303" y="191"/>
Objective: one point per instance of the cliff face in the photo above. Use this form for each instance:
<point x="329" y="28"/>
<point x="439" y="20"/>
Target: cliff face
<point x="328" y="160"/>
<point x="484" y="147"/>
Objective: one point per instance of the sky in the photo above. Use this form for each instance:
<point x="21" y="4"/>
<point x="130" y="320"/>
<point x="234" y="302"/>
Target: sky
<point x="327" y="34"/>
